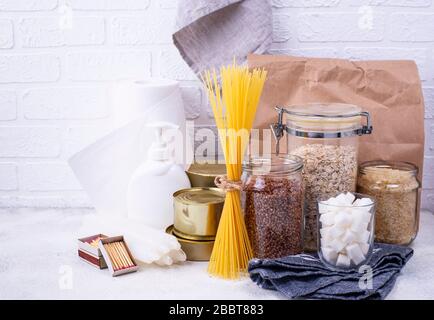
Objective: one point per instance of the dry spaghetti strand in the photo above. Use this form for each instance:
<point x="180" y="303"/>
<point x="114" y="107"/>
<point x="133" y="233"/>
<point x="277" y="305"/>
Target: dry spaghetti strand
<point x="234" y="101"/>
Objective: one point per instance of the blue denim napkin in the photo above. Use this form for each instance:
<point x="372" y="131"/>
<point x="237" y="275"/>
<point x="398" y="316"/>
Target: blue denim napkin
<point x="305" y="276"/>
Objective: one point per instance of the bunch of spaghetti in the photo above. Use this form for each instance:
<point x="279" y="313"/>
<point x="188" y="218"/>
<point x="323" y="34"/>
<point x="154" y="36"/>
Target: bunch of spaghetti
<point x="234" y="100"/>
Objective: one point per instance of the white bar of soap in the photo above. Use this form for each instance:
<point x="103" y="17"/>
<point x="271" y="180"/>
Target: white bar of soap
<point x="343" y="261"/>
<point x="355" y="253"/>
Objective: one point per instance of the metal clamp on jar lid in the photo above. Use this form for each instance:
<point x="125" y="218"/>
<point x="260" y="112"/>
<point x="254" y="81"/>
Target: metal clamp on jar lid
<point x="324" y="121"/>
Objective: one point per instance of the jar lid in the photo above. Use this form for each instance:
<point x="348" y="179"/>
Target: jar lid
<point x="394" y="165"/>
<point x="273" y="164"/>
<point x="389" y="171"/>
<point x="199" y="196"/>
<point x="325" y="120"/>
<point x="207" y="169"/>
<point x="388" y="176"/>
<point x="331" y="110"/>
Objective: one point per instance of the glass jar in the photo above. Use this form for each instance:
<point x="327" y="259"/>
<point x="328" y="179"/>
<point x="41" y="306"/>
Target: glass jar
<point x="395" y="187"/>
<point x="326" y="136"/>
<point x="345" y="230"/>
<point x="272" y="199"/>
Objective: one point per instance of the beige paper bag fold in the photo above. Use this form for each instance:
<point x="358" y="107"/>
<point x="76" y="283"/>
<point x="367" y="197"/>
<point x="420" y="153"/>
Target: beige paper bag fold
<point x="389" y="90"/>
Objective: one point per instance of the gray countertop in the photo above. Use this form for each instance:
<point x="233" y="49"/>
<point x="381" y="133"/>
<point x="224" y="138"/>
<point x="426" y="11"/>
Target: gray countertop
<point x="38" y="260"/>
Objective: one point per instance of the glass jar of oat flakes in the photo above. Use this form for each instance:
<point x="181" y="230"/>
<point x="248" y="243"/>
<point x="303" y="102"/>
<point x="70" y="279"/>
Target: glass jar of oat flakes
<point x="273" y="203"/>
<point x="326" y="136"/>
<point x="395" y="187"/>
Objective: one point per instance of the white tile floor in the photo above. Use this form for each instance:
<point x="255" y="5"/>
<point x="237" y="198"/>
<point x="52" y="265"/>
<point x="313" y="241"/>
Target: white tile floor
<point x="38" y="261"/>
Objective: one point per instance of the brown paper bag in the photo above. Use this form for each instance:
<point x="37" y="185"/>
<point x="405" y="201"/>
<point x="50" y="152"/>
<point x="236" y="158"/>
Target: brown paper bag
<point x="389" y="90"/>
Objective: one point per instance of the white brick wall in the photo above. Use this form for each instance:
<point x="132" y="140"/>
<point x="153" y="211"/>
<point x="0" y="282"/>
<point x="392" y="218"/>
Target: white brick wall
<point x="46" y="32"/>
<point x="58" y="57"/>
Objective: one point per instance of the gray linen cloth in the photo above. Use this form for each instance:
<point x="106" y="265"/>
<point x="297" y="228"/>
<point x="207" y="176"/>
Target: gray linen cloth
<point x="210" y="33"/>
<point x="304" y="276"/>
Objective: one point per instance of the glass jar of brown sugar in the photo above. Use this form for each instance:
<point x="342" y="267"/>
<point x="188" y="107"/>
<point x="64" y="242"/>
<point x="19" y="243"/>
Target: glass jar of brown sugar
<point x="395" y="187"/>
<point x="273" y="202"/>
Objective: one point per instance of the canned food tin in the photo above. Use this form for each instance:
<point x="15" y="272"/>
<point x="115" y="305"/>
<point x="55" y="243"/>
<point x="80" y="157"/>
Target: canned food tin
<point x="197" y="212"/>
<point x="203" y="175"/>
<point x="196" y="250"/>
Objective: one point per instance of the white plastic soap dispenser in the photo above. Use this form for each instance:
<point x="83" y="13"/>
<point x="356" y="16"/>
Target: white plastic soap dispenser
<point x="150" y="190"/>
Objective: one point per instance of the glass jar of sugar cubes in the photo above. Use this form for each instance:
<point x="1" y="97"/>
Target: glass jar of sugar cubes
<point x="345" y="230"/>
<point x="326" y="136"/>
<point x="395" y="187"/>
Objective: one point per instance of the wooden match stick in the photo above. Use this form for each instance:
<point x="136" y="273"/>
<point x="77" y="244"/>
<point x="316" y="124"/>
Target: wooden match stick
<point x="113" y="257"/>
<point x="119" y="260"/>
<point x="127" y="254"/>
<point x="122" y="254"/>
<point x="109" y="251"/>
<point x="121" y="257"/>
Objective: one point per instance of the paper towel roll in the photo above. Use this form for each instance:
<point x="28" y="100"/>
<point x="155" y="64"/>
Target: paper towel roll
<point x="104" y="168"/>
<point x="130" y="99"/>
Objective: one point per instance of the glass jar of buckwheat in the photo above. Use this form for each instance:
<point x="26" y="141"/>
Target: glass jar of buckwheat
<point x="273" y="202"/>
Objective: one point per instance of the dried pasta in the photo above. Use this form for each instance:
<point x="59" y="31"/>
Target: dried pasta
<point x="234" y="100"/>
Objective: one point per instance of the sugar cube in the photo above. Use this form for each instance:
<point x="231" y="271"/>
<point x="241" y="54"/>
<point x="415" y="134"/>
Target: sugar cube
<point x="364" y="236"/>
<point x="349" y="237"/>
<point x="355" y="253"/>
<point x="336" y="231"/>
<point x="325" y="234"/>
<point x="364" y="202"/>
<point x="342" y="199"/>
<point x="333" y="202"/>
<point x="350" y="197"/>
<point x="343" y="261"/>
<point x="364" y="247"/>
<point x="324" y="231"/>
<point x="329" y="254"/>
<point x="359" y="225"/>
<point x="327" y="219"/>
<point x="363" y="211"/>
<point x="343" y="219"/>
<point x="363" y="214"/>
<point x="366" y="216"/>
<point x="337" y="244"/>
<point x="322" y="208"/>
